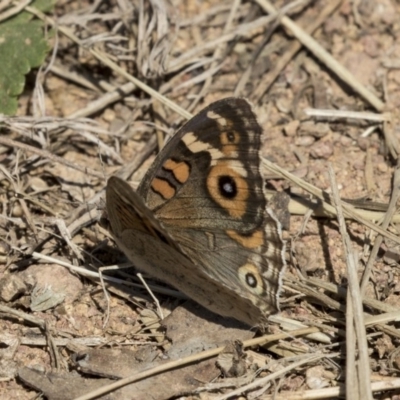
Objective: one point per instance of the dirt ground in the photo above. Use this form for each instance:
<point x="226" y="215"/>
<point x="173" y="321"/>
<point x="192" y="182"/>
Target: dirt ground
<point x="81" y="120"/>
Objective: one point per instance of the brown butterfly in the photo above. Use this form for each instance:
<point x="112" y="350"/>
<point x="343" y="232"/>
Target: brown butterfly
<point x="200" y="219"/>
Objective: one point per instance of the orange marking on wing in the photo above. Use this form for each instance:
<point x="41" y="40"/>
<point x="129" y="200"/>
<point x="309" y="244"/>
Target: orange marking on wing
<point x="229" y="140"/>
<point x="180" y="170"/>
<point x="230" y="137"/>
<point x="253" y="241"/>
<point x="229" y="150"/>
<point x="163" y="188"/>
<point x="237" y="206"/>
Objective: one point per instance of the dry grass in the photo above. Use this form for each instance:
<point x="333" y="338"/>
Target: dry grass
<point x="123" y="75"/>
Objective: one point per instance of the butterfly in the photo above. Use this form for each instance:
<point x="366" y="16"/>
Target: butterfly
<point x="200" y="220"/>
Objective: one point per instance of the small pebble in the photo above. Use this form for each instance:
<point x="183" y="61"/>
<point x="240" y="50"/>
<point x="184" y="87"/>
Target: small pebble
<point x="290" y="129"/>
<point x="382" y="167"/>
<point x="11" y="286"/>
<point x="304" y="141"/>
<point x="322" y="150"/>
<point x="363" y="143"/>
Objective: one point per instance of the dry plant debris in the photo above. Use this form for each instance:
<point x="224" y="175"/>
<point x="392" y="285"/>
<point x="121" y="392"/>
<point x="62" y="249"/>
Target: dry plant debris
<point x="324" y="79"/>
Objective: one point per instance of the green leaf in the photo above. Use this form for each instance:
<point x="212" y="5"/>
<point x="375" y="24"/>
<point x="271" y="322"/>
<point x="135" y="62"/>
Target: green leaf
<point x="41" y="5"/>
<point x="22" y="47"/>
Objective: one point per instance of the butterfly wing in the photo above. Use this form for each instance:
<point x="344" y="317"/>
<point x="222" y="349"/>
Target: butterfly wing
<point x="206" y="190"/>
<point x="139" y="235"/>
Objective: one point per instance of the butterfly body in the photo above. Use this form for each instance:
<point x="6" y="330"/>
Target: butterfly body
<point x="204" y="194"/>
